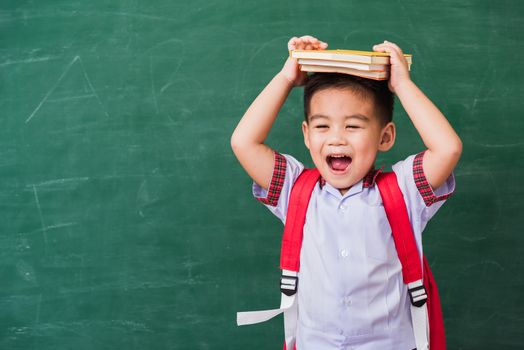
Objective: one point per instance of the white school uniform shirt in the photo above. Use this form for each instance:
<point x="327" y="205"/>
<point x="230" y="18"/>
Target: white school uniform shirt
<point x="350" y="293"/>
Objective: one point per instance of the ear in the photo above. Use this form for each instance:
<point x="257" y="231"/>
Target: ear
<point x="387" y="137"/>
<point x="305" y="131"/>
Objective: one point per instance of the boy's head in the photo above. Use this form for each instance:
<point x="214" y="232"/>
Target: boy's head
<point x="347" y="121"/>
<point x="376" y="90"/>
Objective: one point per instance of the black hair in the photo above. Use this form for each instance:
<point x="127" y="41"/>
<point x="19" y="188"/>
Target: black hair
<point x="377" y="90"/>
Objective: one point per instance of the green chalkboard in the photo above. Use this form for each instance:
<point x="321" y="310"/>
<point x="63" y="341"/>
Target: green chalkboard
<point x="127" y="223"/>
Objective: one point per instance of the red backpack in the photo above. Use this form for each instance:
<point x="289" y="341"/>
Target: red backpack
<point x="425" y="302"/>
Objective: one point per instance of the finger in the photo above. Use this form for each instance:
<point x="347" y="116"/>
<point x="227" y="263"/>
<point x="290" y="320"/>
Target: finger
<point x="384" y="44"/>
<point x="310" y="43"/>
<point x="300" y="44"/>
<point x="291" y="44"/>
<point x="395" y="46"/>
<point x="314" y="42"/>
<point x="395" y="50"/>
<point x="393" y="54"/>
<point x="387" y="47"/>
<point x="306" y="40"/>
<point x="381" y="48"/>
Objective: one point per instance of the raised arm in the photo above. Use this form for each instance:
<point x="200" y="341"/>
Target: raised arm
<point x="443" y="143"/>
<point x="248" y="138"/>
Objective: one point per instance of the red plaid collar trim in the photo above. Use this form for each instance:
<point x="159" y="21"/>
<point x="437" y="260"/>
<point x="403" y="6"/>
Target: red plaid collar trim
<point x="367" y="182"/>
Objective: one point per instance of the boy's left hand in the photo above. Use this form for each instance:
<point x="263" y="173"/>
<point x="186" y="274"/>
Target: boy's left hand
<point x="399" y="66"/>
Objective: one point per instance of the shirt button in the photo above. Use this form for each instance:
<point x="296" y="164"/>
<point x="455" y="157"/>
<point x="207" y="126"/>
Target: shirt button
<point x="344" y="253"/>
<point x="343" y="207"/>
<point x="347" y="301"/>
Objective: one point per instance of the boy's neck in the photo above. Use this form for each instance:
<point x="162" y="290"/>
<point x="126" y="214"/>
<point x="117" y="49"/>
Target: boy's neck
<point x="367" y="181"/>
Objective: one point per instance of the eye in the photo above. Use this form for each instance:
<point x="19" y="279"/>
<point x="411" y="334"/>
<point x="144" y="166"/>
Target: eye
<point x="321" y="126"/>
<point x="352" y="126"/>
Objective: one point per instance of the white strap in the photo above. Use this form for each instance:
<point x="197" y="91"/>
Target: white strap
<point x="419" y="318"/>
<point x="288" y="306"/>
<point x="290" y="324"/>
<point x="252" y="317"/>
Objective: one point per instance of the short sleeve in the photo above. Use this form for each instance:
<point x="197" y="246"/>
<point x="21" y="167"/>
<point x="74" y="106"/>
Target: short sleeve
<point x="422" y="200"/>
<point x="285" y="172"/>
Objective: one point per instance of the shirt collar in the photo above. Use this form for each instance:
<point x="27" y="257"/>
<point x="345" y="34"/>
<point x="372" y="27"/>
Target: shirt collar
<point x="367" y="182"/>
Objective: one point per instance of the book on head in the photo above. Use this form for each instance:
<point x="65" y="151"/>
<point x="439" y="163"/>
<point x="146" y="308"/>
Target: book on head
<point x="366" y="64"/>
<point x="368" y="57"/>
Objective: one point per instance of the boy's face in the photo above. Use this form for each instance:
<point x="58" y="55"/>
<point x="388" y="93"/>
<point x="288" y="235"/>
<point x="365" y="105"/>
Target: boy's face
<point x="344" y="135"/>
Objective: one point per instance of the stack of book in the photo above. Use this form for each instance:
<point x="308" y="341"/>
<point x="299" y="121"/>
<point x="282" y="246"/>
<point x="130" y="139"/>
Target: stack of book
<point x="366" y="64"/>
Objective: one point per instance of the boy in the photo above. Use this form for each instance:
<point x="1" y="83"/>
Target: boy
<point x="351" y="291"/>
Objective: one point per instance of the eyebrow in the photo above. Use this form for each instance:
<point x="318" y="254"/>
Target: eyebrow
<point x="353" y="116"/>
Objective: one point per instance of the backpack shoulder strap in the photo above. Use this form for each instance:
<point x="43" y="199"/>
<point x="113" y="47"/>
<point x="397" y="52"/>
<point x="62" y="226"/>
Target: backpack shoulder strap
<point x="291" y="246"/>
<point x="295" y="218"/>
<point x="397" y="214"/>
<point x="425" y="308"/>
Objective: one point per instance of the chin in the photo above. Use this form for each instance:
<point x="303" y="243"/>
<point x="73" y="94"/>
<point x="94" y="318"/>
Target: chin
<point x="340" y="182"/>
<point x="342" y="185"/>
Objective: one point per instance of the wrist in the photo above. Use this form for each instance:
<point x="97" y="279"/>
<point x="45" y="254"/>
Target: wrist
<point x="281" y="76"/>
<point x="403" y="87"/>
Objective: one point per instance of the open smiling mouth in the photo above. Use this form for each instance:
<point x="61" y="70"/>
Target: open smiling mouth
<point x="338" y="163"/>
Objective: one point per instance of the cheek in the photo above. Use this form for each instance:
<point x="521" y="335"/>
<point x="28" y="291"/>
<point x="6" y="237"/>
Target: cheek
<point x="315" y="145"/>
<point x="364" y="147"/>
<point x="367" y="140"/>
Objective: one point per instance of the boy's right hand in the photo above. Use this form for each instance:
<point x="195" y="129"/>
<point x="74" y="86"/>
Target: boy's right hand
<point x="291" y="70"/>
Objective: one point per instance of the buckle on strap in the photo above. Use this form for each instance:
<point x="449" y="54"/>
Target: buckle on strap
<point x="418" y="295"/>
<point x="289" y="283"/>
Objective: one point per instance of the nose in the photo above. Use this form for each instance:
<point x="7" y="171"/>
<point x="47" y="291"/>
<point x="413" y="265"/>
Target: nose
<point x="336" y="137"/>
